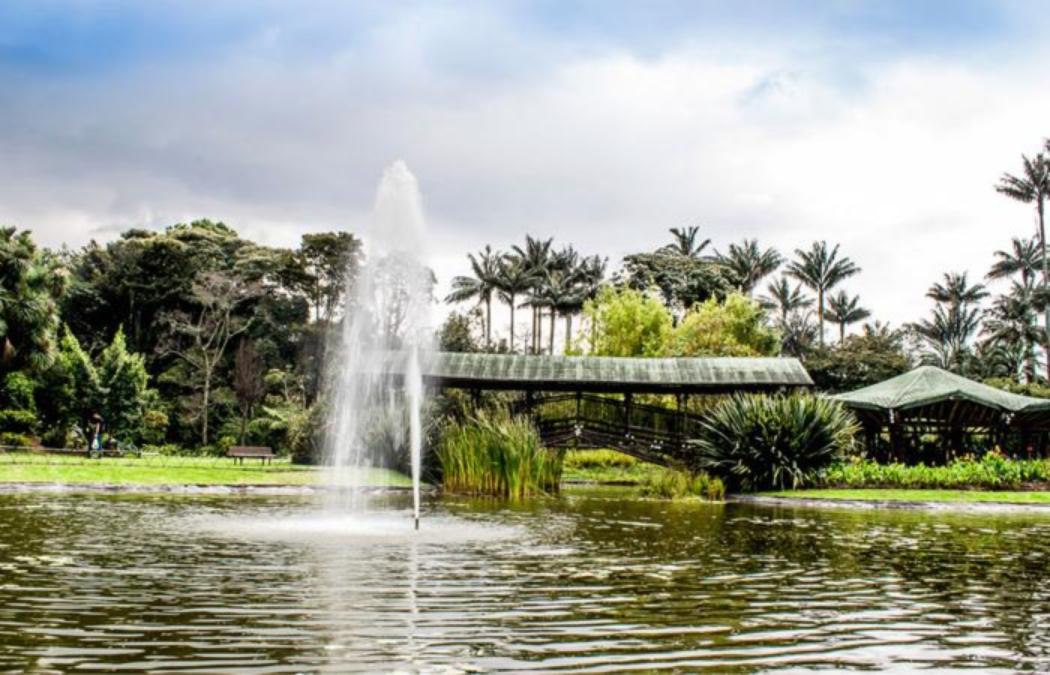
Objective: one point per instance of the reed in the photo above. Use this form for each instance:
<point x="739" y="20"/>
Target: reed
<point x="499" y="455"/>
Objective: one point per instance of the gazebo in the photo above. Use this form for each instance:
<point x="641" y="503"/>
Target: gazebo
<point x="932" y="401"/>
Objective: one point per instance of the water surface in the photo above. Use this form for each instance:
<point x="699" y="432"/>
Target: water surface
<point x="592" y="581"/>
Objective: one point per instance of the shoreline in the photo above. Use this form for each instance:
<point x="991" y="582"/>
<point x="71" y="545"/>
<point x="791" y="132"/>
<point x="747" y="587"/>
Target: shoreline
<point x="890" y="504"/>
<point x="185" y="488"/>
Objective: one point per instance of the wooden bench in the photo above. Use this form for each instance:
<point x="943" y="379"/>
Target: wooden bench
<point x="242" y="452"/>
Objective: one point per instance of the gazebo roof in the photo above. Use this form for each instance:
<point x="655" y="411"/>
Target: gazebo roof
<point x="607" y="373"/>
<point x="928" y="385"/>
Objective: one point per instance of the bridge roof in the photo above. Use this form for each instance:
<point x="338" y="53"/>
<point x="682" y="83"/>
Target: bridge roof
<point x="607" y="373"/>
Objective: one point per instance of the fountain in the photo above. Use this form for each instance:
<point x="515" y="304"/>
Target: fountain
<point x="376" y="363"/>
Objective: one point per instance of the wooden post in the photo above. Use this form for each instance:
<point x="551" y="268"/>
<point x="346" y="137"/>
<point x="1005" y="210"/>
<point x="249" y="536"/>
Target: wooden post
<point x="628" y="400"/>
<point x="896" y="436"/>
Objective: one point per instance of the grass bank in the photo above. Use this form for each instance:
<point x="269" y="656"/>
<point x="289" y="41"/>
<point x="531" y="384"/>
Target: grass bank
<point x="606" y="466"/>
<point x="900" y="495"/>
<point x="35" y="468"/>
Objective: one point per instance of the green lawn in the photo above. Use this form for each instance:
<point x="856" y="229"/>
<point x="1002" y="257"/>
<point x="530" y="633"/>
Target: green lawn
<point x="33" y="468"/>
<point x="973" y="496"/>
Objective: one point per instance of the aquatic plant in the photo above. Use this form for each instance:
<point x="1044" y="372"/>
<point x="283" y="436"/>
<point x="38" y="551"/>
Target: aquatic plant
<point x="675" y="484"/>
<point x="756" y="442"/>
<point x="497" y="454"/>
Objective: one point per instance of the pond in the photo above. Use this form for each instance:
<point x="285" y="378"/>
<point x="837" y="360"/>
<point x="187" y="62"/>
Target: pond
<point x="594" y="580"/>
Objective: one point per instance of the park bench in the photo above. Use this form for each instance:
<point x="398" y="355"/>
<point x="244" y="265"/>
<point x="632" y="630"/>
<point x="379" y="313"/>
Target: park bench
<point x="242" y="452"/>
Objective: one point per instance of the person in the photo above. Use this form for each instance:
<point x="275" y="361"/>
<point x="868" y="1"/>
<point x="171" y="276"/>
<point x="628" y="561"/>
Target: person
<point x="95" y="445"/>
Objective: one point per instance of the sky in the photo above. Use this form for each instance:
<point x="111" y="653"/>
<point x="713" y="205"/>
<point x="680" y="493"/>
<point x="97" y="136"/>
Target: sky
<point x="881" y="126"/>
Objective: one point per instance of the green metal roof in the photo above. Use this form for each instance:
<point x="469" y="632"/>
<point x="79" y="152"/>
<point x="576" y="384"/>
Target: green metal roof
<point x="928" y="385"/>
<point x="606" y="373"/>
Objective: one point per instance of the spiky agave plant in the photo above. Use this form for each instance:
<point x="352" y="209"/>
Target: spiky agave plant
<point x="756" y="442"/>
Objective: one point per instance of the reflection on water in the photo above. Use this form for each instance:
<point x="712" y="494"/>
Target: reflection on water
<point x="592" y="581"/>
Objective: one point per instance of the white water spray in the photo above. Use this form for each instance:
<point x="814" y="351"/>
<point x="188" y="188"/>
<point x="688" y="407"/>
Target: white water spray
<point x="376" y="373"/>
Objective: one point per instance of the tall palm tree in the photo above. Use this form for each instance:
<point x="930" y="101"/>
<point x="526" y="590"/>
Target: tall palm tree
<point x="947" y="334"/>
<point x="785" y="299"/>
<point x="749" y="263"/>
<point x="481" y="286"/>
<point x="512" y="280"/>
<point x="1023" y="258"/>
<point x="537" y="257"/>
<point x="559" y="291"/>
<point x="821" y="270"/>
<point x="956" y="291"/>
<point x="686" y="242"/>
<point x="844" y="310"/>
<point x="1011" y="322"/>
<point x="1033" y="187"/>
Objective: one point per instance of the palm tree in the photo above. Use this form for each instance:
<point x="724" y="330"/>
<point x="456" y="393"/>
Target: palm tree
<point x="785" y="299"/>
<point x="845" y="310"/>
<point x="1011" y="322"/>
<point x="536" y="254"/>
<point x="1033" y="187"/>
<point x="821" y="270"/>
<point x="1023" y="258"/>
<point x="558" y="291"/>
<point x="512" y="280"/>
<point x="748" y="263"/>
<point x="947" y="333"/>
<point x="686" y="242"/>
<point x="956" y="291"/>
<point x="481" y="286"/>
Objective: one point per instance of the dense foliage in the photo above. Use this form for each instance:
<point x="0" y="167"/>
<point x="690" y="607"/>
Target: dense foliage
<point x="755" y="442"/>
<point x="495" y="454"/>
<point x="675" y="484"/>
<point x="992" y="470"/>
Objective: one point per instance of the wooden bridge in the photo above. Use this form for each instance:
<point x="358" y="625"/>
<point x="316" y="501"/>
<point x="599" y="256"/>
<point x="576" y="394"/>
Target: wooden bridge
<point x="589" y="402"/>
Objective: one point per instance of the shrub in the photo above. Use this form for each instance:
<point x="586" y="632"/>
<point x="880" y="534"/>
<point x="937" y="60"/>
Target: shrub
<point x="757" y="442"/>
<point x="675" y="484"/>
<point x="18" y="421"/>
<point x="496" y="454"/>
<point x="993" y="471"/>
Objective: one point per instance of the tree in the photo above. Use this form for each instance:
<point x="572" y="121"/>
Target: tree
<point x="1032" y="187"/>
<point x="750" y="264"/>
<point x="514" y="279"/>
<point x="457" y="334"/>
<point x="686" y="242"/>
<point x="536" y="257"/>
<point x="249" y="382"/>
<point x="956" y="318"/>
<point x="200" y="339"/>
<point x="481" y="286"/>
<point x="844" y="310"/>
<point x="31" y="284"/>
<point x="875" y="355"/>
<point x="327" y="264"/>
<point x="1011" y="322"/>
<point x="735" y="327"/>
<point x="627" y="322"/>
<point x="683" y="281"/>
<point x="821" y="270"/>
<point x="123" y="387"/>
<point x="784" y="299"/>
<point x="1023" y="258"/>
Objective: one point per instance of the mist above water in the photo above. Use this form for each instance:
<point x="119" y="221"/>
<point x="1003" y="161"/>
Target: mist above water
<point x="375" y="369"/>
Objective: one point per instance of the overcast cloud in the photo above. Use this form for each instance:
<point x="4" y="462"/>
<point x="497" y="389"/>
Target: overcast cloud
<point x="882" y="126"/>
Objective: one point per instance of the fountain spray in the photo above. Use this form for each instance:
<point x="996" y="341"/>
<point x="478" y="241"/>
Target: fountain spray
<point x="386" y="332"/>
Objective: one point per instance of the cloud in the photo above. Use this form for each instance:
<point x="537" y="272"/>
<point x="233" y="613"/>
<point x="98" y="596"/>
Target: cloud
<point x="519" y="120"/>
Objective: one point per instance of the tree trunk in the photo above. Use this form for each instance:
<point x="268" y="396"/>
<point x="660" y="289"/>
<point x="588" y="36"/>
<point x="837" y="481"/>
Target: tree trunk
<point x="568" y="331"/>
<point x="842" y="332"/>
<point x="553" y="314"/>
<point x="820" y="314"/>
<point x="512" y="298"/>
<point x="488" y="324"/>
<point x="206" y="399"/>
<point x="1046" y="311"/>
